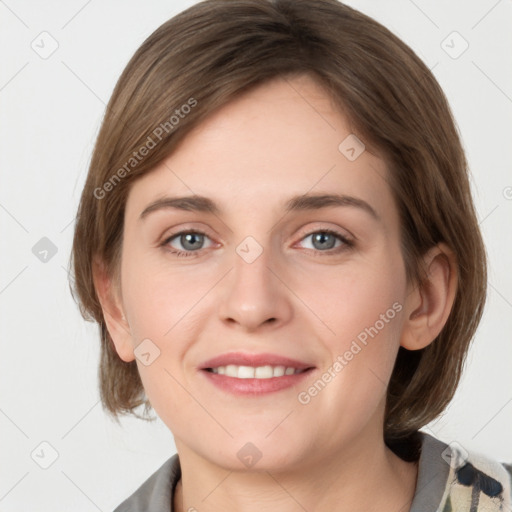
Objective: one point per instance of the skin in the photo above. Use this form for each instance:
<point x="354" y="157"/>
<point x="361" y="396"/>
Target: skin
<point x="278" y="140"/>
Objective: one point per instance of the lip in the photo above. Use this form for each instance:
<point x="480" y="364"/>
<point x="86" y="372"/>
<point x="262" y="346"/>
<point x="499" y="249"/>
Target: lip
<point x="252" y="387"/>
<point x="245" y="359"/>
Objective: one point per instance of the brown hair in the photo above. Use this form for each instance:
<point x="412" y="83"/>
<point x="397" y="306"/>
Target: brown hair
<point x="217" y="49"/>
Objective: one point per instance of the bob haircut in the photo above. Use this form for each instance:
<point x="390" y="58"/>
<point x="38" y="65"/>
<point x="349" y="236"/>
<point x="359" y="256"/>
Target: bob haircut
<point x="208" y="54"/>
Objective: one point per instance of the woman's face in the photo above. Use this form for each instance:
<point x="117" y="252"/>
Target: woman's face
<point x="264" y="279"/>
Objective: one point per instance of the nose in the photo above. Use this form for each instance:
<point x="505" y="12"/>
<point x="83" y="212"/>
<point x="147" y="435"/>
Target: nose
<point x="254" y="294"/>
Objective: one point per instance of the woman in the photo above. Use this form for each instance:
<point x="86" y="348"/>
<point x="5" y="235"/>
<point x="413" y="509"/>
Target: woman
<point x="278" y="241"/>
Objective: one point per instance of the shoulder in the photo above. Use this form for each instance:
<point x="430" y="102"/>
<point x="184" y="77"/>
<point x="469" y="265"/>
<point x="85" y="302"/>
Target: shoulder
<point x="155" y="494"/>
<point x="466" y="479"/>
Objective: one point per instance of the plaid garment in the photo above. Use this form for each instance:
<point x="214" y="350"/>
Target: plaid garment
<point x="476" y="483"/>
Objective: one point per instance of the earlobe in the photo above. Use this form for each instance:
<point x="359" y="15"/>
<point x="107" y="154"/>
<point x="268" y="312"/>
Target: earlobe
<point x="430" y="302"/>
<point x="113" y="313"/>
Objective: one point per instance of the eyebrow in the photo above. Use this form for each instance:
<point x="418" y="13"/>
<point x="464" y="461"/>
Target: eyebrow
<point x="298" y="203"/>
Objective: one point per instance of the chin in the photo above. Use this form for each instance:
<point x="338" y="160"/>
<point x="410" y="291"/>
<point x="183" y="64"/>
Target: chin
<point x="248" y="456"/>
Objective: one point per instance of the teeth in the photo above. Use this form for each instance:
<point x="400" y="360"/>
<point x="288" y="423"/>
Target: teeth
<point x="249" y="372"/>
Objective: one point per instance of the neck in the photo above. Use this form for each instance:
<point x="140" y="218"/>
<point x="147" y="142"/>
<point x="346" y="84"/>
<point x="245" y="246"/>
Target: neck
<point x="362" y="476"/>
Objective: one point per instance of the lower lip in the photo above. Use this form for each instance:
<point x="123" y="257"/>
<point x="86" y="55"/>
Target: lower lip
<point x="255" y="386"/>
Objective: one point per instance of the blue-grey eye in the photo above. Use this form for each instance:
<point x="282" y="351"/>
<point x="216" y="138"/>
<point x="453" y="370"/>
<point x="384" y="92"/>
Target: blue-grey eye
<point x="325" y="240"/>
<point x="191" y="241"/>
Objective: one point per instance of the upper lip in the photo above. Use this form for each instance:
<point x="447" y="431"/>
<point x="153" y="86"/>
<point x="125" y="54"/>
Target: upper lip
<point x="245" y="359"/>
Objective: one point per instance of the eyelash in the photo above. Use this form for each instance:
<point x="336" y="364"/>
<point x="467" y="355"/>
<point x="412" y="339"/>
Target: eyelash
<point x="347" y="244"/>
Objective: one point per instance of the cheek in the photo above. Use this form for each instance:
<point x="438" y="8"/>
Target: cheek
<point x="159" y="308"/>
<point x="360" y="309"/>
<point x="361" y="313"/>
<point x="156" y="298"/>
<point x="164" y="306"/>
<point x="353" y="299"/>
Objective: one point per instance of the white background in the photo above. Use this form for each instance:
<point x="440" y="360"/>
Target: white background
<point x="51" y="111"/>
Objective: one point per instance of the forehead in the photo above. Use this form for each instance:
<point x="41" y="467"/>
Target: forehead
<point x="278" y="140"/>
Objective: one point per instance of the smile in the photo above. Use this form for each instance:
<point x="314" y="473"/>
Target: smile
<point x="254" y="381"/>
<point x="251" y="372"/>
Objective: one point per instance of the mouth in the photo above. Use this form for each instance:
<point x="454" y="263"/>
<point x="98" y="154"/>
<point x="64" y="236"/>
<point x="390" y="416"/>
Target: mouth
<point x="254" y="374"/>
<point x="259" y="372"/>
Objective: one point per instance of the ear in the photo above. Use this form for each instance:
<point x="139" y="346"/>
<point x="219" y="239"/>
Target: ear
<point x="428" y="304"/>
<point x="109" y="295"/>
